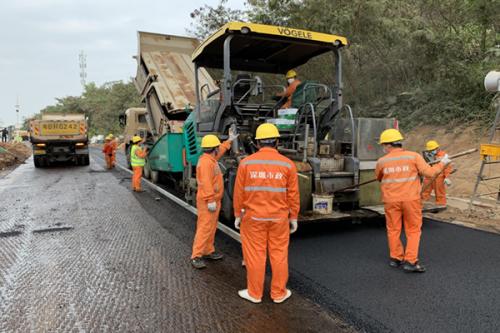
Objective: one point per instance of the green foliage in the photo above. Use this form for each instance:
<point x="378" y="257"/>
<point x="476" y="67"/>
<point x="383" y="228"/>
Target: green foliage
<point x="101" y="104"/>
<point x="421" y="61"/>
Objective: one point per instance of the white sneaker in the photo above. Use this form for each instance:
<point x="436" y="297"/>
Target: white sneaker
<point x="244" y="294"/>
<point x="287" y="296"/>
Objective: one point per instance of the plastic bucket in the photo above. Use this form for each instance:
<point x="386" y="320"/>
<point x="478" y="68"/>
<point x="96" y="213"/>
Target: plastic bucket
<point x="322" y="203"/>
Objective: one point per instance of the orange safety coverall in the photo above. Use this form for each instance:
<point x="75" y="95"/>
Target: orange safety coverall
<point x="210" y="189"/>
<point x="398" y="172"/>
<point x="438" y="184"/>
<point x="109" y="151"/>
<point x="136" y="177"/>
<point x="289" y="93"/>
<point x="267" y="189"/>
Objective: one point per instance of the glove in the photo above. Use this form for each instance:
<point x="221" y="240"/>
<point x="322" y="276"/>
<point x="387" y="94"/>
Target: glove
<point x="212" y="206"/>
<point x="447" y="182"/>
<point x="293" y="225"/>
<point x="232" y="136"/>
<point x="237" y="222"/>
<point x="445" y="159"/>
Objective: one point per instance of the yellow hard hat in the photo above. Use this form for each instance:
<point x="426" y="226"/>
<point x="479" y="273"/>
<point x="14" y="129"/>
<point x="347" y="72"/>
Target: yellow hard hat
<point x="267" y="131"/>
<point x="291" y="73"/>
<point x="136" y="139"/>
<point x="109" y="137"/>
<point x="210" y="141"/>
<point x="431" y="145"/>
<point x="390" y="135"/>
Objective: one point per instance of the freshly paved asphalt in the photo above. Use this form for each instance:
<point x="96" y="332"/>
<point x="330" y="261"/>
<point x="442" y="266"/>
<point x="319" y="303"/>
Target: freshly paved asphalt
<point x="343" y="267"/>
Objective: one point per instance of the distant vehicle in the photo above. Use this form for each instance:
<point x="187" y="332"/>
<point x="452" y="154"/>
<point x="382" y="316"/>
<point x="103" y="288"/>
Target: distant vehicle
<point x="133" y="122"/>
<point x="60" y="138"/>
<point x="25" y="135"/>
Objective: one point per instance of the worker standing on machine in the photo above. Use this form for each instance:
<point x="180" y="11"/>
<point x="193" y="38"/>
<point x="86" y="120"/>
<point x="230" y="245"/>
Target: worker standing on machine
<point x="292" y="84"/>
<point x="137" y="161"/>
<point x="109" y="151"/>
<point x="266" y="205"/>
<point x="433" y="152"/>
<point x="208" y="198"/>
<point x="398" y="172"/>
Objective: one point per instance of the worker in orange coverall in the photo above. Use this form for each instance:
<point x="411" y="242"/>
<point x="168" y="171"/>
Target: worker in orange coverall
<point x="433" y="152"/>
<point x="208" y="198"/>
<point x="266" y="206"/>
<point x="109" y="151"/>
<point x="137" y="161"/>
<point x="292" y="84"/>
<point x="398" y="172"/>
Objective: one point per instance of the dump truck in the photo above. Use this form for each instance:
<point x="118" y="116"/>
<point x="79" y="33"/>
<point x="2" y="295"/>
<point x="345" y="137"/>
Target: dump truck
<point x="332" y="149"/>
<point x="133" y="121"/>
<point x="59" y="138"/>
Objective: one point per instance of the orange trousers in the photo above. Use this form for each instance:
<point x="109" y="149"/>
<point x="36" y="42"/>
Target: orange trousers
<point x="439" y="190"/>
<point x="136" y="178"/>
<point x="206" y="226"/>
<point x="408" y="213"/>
<point x="110" y="161"/>
<point x="257" y="239"/>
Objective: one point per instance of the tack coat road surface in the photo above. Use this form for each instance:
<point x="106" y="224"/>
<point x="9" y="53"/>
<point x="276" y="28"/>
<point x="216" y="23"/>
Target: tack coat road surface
<point x="80" y="252"/>
<point x="344" y="267"/>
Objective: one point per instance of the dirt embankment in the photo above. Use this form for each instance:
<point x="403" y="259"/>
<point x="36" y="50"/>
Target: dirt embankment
<point x="467" y="167"/>
<point x="12" y="154"/>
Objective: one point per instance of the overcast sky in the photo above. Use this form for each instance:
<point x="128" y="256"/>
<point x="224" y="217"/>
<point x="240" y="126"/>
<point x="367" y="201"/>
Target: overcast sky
<point x="40" y="41"/>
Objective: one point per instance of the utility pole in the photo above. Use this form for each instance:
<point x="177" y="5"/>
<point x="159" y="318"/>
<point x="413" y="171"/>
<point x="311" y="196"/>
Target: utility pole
<point x="82" y="57"/>
<point x="17" y="106"/>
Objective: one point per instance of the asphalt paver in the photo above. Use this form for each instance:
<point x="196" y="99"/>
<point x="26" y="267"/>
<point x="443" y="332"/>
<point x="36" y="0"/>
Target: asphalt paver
<point x="122" y="263"/>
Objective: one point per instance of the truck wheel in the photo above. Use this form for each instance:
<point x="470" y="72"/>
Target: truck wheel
<point x="85" y="160"/>
<point x="36" y="161"/>
<point x="155" y="176"/>
<point x="147" y="171"/>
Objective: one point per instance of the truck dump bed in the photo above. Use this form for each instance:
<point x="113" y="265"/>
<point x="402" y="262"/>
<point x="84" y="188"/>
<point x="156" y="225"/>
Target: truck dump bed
<point x="59" y="127"/>
<point x="165" y="79"/>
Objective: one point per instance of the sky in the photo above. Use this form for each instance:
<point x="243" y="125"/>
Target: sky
<point x="40" y="41"/>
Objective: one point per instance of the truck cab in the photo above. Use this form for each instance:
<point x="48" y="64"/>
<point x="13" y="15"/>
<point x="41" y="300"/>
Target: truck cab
<point x="133" y="121"/>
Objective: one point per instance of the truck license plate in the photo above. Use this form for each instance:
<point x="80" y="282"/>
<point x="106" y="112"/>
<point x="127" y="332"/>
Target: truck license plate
<point x="60" y="128"/>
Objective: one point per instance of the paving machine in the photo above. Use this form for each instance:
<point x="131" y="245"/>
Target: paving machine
<point x="331" y="148"/>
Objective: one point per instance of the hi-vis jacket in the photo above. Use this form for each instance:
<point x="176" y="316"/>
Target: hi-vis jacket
<point x="209" y="176"/>
<point x="267" y="187"/>
<point x="398" y="173"/>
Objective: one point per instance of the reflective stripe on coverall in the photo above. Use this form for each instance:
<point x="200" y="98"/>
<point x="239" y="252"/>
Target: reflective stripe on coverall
<point x="438" y="184"/>
<point x="210" y="189"/>
<point x="267" y="189"/>
<point x="289" y="93"/>
<point x="398" y="172"/>
<point x="137" y="160"/>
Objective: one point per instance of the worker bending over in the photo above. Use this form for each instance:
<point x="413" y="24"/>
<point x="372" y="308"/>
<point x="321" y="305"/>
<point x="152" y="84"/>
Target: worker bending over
<point x="137" y="160"/>
<point x="292" y="84"/>
<point x="266" y="206"/>
<point x="109" y="151"/>
<point x="208" y="198"/>
<point x="398" y="172"/>
<point x="431" y="154"/>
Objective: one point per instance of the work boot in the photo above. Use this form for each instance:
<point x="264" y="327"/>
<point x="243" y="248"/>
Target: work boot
<point x="413" y="268"/>
<point x="287" y="296"/>
<point x="395" y="263"/>
<point x="245" y="295"/>
<point x="214" y="256"/>
<point x="198" y="263"/>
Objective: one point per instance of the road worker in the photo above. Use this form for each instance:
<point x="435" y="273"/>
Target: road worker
<point x="208" y="198"/>
<point x="292" y="84"/>
<point x="434" y="152"/>
<point x="137" y="161"/>
<point x="109" y="151"/>
<point x="266" y="206"/>
<point x="398" y="172"/>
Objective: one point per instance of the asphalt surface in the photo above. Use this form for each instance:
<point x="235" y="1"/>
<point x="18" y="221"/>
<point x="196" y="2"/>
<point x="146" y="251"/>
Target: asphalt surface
<point x="343" y="266"/>
<point x="80" y="252"/>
